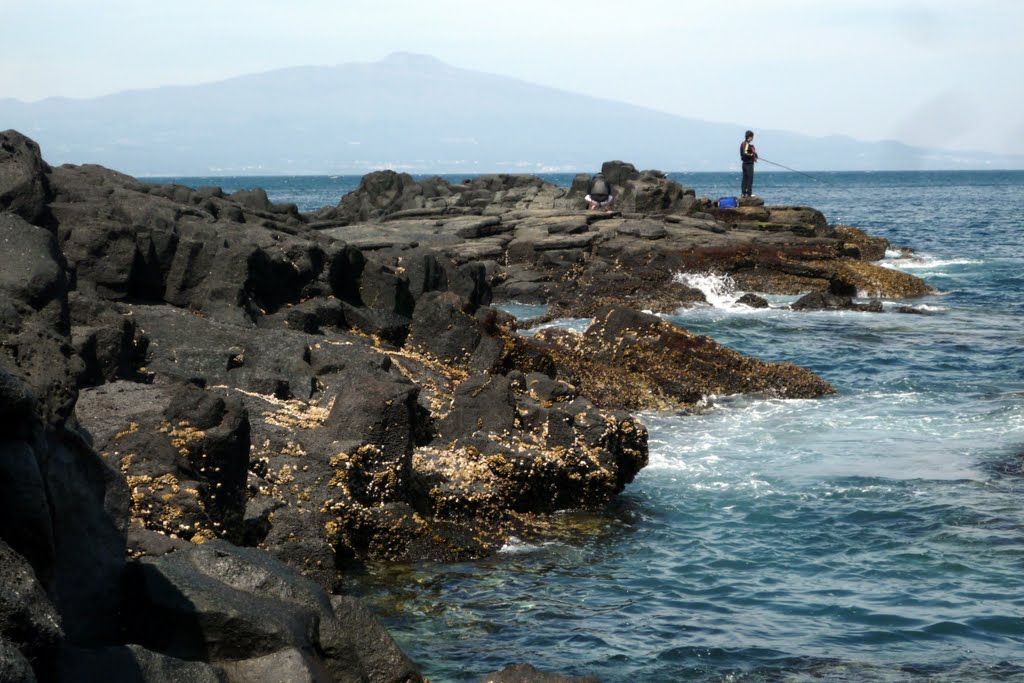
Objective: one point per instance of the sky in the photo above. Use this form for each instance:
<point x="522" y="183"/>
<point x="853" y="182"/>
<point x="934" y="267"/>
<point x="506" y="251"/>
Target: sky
<point x="940" y="73"/>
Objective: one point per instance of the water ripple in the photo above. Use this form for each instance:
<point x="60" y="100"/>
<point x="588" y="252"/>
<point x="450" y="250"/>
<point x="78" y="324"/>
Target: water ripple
<point x="875" y="535"/>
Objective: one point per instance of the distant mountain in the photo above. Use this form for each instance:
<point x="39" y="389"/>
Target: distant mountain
<point x="414" y="113"/>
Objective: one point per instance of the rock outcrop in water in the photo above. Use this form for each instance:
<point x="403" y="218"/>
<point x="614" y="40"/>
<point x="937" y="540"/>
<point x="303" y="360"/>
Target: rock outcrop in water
<point x="637" y="361"/>
<point x="542" y="248"/>
<point x="212" y="403"/>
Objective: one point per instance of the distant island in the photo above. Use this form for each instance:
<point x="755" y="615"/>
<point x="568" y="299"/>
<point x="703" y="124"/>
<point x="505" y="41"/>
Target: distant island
<point x="417" y="114"/>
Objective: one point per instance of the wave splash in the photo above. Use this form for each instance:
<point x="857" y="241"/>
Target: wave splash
<point x="719" y="290"/>
<point x="900" y="261"/>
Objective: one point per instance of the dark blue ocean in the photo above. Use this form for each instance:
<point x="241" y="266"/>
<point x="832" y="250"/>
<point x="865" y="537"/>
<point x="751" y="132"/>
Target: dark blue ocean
<point x="876" y="535"/>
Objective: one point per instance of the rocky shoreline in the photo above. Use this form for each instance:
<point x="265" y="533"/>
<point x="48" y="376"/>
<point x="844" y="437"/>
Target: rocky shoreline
<point x="213" y="404"/>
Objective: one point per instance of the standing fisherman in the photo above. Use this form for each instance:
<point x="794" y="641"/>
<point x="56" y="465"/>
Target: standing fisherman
<point x="748" y="155"/>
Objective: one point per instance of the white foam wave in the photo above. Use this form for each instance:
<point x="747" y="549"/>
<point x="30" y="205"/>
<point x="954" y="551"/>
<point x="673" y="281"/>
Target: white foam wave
<point x="719" y="290"/>
<point x="890" y="434"/>
<point x="517" y="546"/>
<point x="927" y="308"/>
<point x="925" y="262"/>
<point x="574" y="324"/>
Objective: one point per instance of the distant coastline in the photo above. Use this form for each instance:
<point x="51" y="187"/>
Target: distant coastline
<point x="418" y="115"/>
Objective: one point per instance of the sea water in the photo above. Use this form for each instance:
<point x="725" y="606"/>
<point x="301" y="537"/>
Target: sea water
<point x="873" y="535"/>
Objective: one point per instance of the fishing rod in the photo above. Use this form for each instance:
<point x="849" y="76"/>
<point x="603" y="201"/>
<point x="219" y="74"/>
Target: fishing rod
<point x="791" y="169"/>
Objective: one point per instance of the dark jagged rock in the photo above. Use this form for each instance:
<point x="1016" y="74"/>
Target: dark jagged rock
<point x="798" y="215"/>
<point x="386" y="194"/>
<point x="383" y="193"/>
<point x="107" y="340"/>
<point x="63" y="507"/>
<point x="24" y="186"/>
<point x="27" y="526"/>
<point x="385" y="419"/>
<point x="34" y="322"/>
<point x="912" y="310"/>
<point x="184" y="452"/>
<point x="256" y="618"/>
<point x="636" y="192"/>
<point x="65" y="510"/>
<point x="27" y="618"/>
<point x="205" y="351"/>
<point x="860" y="245"/>
<point x="752" y="300"/>
<point x="14" y="667"/>
<point x="33" y="273"/>
<point x="633" y="280"/>
<point x="526" y="673"/>
<point x="619" y="173"/>
<point x="481" y="404"/>
<point x="443" y="327"/>
<point x="89" y="509"/>
<point x="128" y="241"/>
<point x="823" y="301"/>
<point x="378" y="655"/>
<point x="134" y="664"/>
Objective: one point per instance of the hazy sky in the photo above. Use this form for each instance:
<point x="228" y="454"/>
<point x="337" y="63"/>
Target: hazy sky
<point x="941" y="72"/>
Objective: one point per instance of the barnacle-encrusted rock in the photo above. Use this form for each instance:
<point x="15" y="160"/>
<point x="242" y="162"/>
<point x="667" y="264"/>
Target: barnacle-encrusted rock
<point x="637" y="361"/>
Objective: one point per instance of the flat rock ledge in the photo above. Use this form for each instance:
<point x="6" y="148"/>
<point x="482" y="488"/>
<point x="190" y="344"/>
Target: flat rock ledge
<point x="214" y="404"/>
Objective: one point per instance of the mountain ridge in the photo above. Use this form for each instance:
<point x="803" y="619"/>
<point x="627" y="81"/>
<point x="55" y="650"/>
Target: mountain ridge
<point x="418" y="114"/>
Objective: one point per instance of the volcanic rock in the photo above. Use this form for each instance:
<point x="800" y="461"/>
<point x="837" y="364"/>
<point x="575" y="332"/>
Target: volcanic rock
<point x="526" y="673"/>
<point x="636" y="361"/>
<point x="823" y="301"/>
